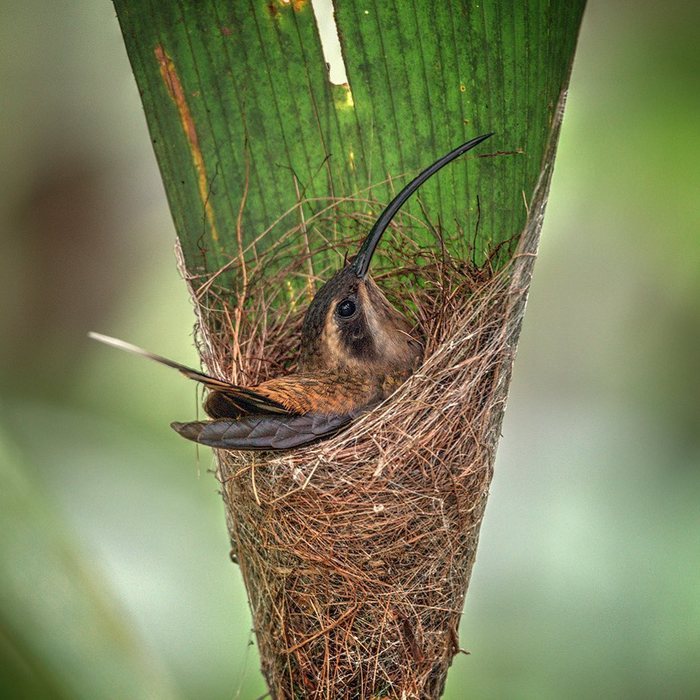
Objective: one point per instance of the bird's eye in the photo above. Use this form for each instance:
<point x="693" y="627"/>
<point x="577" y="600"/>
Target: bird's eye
<point x="345" y="308"/>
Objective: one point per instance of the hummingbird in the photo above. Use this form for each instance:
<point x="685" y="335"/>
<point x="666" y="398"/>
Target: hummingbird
<point x="356" y="350"/>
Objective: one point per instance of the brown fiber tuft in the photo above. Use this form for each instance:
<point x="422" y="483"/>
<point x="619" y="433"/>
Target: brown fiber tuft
<point x="356" y="552"/>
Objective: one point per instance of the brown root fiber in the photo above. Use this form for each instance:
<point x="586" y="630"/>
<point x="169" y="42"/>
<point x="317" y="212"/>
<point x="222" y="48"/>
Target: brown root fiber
<point x="357" y="551"/>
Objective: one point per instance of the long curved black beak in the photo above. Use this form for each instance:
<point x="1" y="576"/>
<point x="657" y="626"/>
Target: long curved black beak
<point x="364" y="257"/>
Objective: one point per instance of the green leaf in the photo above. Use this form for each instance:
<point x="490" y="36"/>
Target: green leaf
<point x="239" y="103"/>
<point x="251" y="136"/>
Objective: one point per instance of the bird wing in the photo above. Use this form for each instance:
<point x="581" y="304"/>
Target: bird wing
<point x="233" y="401"/>
<point x="263" y="432"/>
<point x="242" y="400"/>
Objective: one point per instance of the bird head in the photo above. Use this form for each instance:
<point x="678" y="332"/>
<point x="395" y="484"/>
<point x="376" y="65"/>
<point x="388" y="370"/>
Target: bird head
<point x="350" y="325"/>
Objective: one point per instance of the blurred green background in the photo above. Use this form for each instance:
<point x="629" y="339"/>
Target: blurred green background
<point x="115" y="579"/>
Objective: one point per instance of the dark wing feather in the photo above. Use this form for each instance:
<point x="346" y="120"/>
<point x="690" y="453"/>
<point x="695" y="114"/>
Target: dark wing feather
<point x="263" y="432"/>
<point x="237" y="400"/>
<point x="245" y="400"/>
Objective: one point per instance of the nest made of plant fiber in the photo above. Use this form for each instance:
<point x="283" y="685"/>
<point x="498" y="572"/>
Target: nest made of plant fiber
<point x="357" y="551"/>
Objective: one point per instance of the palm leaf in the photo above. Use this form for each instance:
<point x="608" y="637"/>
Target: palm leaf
<point x="252" y="138"/>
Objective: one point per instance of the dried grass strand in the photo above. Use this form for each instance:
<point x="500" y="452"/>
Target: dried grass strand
<point x="357" y="551"/>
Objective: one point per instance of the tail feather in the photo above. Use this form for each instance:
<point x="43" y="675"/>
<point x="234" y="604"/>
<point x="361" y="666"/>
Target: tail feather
<point x="243" y="400"/>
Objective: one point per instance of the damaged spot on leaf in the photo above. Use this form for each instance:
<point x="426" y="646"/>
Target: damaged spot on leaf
<point x="324" y="14"/>
<point x="177" y="93"/>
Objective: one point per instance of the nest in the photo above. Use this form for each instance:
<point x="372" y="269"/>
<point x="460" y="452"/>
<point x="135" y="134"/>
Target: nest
<point x="357" y="551"/>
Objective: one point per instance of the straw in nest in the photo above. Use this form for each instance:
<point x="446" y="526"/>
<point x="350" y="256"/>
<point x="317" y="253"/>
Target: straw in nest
<point x="357" y="551"/>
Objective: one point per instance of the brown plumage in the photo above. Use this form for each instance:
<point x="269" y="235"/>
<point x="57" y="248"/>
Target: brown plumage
<point x="345" y="362"/>
<point x="356" y="349"/>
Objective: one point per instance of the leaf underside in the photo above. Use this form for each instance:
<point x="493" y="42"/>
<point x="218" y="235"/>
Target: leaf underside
<point x="240" y="108"/>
